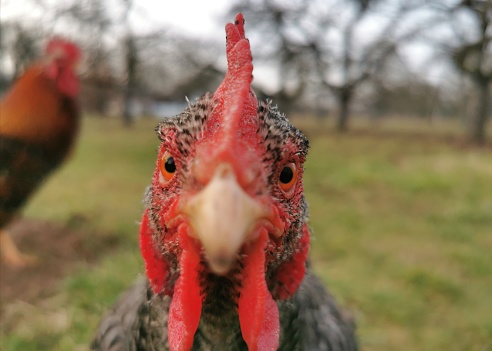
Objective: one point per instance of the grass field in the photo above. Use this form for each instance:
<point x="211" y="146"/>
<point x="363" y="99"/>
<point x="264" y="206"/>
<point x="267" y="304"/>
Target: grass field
<point x="402" y="227"/>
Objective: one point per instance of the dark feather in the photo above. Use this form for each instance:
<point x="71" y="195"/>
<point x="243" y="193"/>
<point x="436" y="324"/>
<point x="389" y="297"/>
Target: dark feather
<point x="310" y="320"/>
<point x="23" y="167"/>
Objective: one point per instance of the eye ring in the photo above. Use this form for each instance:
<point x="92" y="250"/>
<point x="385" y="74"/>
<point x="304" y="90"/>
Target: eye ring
<point x="167" y="166"/>
<point x="288" y="176"/>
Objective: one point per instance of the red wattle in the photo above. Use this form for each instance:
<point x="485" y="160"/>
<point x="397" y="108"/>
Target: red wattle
<point x="291" y="273"/>
<point x="186" y="306"/>
<point x="155" y="266"/>
<point x="258" y="312"/>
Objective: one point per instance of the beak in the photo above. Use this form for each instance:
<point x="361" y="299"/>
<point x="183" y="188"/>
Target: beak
<point x="223" y="217"/>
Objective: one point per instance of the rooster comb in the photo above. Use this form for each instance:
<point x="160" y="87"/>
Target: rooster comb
<point x="235" y="92"/>
<point x="62" y="47"/>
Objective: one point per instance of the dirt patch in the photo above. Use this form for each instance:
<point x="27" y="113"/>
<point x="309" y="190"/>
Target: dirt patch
<point x="58" y="248"/>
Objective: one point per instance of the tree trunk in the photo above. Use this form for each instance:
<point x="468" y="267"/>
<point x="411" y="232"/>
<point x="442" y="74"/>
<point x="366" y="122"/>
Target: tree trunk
<point x="131" y="72"/>
<point x="127" y="111"/>
<point x="344" y="100"/>
<point x="480" y="120"/>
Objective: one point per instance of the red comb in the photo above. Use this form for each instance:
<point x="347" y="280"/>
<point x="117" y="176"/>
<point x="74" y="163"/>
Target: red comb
<point x="68" y="49"/>
<point x="235" y="97"/>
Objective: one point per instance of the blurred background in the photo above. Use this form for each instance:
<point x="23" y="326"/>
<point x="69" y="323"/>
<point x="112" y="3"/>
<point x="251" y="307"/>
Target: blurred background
<point x="394" y="96"/>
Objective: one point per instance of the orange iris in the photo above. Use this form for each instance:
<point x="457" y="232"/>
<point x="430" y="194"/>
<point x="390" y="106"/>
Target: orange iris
<point x="167" y="166"/>
<point x="288" y="177"/>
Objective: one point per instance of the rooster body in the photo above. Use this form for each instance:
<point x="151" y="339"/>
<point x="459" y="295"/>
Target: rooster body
<point x="38" y="126"/>
<point x="224" y="233"/>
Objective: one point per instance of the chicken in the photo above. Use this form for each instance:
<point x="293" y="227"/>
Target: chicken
<point x="38" y="126"/>
<point x="224" y="234"/>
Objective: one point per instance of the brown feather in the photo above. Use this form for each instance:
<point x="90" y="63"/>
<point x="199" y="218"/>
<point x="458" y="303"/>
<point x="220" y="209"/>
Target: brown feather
<point x="38" y="126"/>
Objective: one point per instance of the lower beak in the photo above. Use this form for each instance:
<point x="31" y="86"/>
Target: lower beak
<point x="223" y="217"/>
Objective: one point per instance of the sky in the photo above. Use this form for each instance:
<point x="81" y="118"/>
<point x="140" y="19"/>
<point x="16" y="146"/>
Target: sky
<point x="198" y="18"/>
<point x="146" y="14"/>
<point x="192" y="16"/>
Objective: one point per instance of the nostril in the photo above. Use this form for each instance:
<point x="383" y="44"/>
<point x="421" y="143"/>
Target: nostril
<point x="245" y="177"/>
<point x="224" y="171"/>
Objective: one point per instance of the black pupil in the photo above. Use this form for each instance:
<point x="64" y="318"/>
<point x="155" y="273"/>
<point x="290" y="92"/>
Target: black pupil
<point x="169" y="165"/>
<point x="286" y="175"/>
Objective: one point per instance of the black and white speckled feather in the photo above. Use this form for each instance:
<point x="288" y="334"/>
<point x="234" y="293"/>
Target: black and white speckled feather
<point x="310" y="321"/>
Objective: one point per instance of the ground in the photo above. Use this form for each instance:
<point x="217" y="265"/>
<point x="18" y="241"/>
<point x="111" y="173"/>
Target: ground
<point x="58" y="248"/>
<point x="401" y="214"/>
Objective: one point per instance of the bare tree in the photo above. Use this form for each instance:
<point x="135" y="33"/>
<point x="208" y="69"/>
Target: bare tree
<point x="321" y="47"/>
<point x="173" y="65"/>
<point x="473" y="58"/>
<point x="21" y="44"/>
<point x="122" y="67"/>
<point x="24" y="49"/>
<point x="99" y="80"/>
<point x="359" y="60"/>
<point x="131" y="64"/>
<point x="291" y="36"/>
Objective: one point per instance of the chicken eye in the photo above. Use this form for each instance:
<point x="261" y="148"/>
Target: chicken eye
<point x="288" y="177"/>
<point x="167" y="166"/>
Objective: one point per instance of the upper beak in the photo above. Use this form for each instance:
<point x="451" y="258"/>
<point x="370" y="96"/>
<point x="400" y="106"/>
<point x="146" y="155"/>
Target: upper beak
<point x="223" y="217"/>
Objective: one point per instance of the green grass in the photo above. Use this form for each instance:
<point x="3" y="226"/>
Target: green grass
<point x="402" y="235"/>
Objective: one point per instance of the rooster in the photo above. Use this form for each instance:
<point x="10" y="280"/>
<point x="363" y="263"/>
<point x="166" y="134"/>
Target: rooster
<point x="38" y="125"/>
<point x="224" y="234"/>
